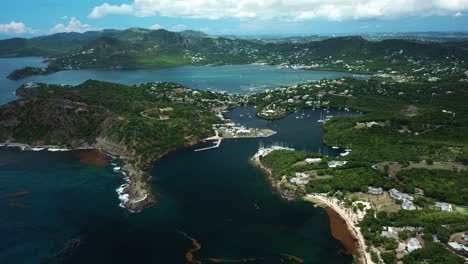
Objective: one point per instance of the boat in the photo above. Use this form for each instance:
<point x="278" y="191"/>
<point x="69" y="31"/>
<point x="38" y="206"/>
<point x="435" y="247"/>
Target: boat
<point x="336" y="145"/>
<point x="321" y="120"/>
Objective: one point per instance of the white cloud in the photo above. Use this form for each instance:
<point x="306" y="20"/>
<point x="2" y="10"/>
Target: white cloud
<point x="157" y="26"/>
<point x="179" y="27"/>
<point x="73" y="26"/>
<point x="106" y="9"/>
<point x="458" y="14"/>
<point x="284" y="9"/>
<point x="14" y="28"/>
<point x="64" y="17"/>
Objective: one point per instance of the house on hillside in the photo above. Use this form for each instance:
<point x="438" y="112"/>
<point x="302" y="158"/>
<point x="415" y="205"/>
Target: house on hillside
<point x="375" y="191"/>
<point x="444" y="206"/>
<point x="408" y="205"/>
<point x="413" y="244"/>
<point x="313" y="161"/>
<point x="397" y="195"/>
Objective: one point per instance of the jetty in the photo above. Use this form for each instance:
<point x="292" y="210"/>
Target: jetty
<point x="212" y="147"/>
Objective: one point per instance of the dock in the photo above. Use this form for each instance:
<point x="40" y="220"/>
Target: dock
<point x="212" y="147"/>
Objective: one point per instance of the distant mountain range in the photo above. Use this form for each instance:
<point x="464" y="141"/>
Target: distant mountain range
<point x="139" y="48"/>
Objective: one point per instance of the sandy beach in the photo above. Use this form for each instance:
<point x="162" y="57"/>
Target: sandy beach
<point x="349" y="217"/>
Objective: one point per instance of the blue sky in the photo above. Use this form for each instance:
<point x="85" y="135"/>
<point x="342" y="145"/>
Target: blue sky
<point x="26" y="18"/>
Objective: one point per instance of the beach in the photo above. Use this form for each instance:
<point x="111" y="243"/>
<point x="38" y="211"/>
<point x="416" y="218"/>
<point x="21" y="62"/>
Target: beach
<point x="350" y="219"/>
<point x="353" y="241"/>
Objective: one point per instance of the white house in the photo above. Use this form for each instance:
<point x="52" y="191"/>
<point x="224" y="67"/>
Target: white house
<point x="413" y="244"/>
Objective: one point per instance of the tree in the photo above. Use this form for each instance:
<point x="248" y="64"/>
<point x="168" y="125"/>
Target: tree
<point x="389" y="257"/>
<point x="403" y="235"/>
<point x="374" y="257"/>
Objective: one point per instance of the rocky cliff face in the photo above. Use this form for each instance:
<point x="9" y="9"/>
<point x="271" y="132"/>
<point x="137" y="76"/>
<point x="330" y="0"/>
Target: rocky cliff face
<point x="107" y="116"/>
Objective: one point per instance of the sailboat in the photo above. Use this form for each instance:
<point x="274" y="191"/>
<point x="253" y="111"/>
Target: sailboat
<point x="336" y="145"/>
<point x="322" y="118"/>
<point x="348" y="149"/>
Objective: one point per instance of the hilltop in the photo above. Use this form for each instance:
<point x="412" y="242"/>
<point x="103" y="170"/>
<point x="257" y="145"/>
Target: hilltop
<point x="142" y="48"/>
<point x="138" y="123"/>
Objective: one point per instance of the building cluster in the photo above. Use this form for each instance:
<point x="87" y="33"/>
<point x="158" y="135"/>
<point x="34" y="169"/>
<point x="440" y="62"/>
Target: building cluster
<point x="262" y="152"/>
<point x="407" y="200"/>
<point x="392" y="232"/>
<point x="300" y="179"/>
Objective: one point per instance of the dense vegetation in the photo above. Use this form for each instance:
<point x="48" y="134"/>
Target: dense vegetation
<point x="443" y="185"/>
<point x="137" y="47"/>
<point x="352" y="177"/>
<point x="73" y="116"/>
<point x="49" y="46"/>
<point x="432" y="253"/>
<point x="417" y="127"/>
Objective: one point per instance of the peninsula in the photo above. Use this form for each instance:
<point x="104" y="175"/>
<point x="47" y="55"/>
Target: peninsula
<point x="138" y="124"/>
<point x="145" y="48"/>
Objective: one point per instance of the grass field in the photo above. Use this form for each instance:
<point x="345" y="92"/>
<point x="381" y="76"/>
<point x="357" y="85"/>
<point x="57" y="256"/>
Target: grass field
<point x="462" y="210"/>
<point x="378" y="202"/>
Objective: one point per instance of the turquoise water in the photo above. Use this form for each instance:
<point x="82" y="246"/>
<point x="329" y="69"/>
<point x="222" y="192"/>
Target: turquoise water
<point x="231" y="78"/>
<point x="216" y="197"/>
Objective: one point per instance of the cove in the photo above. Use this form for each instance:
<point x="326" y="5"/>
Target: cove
<point x="228" y="78"/>
<point x="213" y="206"/>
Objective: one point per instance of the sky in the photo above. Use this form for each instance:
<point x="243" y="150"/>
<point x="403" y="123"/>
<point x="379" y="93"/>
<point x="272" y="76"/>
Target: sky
<point x="26" y="18"/>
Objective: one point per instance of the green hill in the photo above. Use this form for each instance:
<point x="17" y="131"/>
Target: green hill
<point x="137" y="47"/>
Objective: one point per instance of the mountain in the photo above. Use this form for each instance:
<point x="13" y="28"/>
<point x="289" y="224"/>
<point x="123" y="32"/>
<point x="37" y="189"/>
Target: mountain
<point x="139" y="48"/>
<point x="52" y="45"/>
<point x="194" y="33"/>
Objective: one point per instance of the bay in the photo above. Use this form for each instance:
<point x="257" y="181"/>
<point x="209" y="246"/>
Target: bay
<point x="217" y="197"/>
<point x="229" y="78"/>
<point x="57" y="210"/>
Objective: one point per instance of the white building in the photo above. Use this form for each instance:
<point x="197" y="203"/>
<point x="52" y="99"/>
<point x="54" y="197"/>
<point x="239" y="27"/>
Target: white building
<point x="444" y="206"/>
<point x="397" y="195"/>
<point x="336" y="163"/>
<point x="413" y="244"/>
<point x="375" y="191"/>
<point x="298" y="181"/>
<point x="243" y="132"/>
<point x="408" y="205"/>
<point x="313" y="161"/>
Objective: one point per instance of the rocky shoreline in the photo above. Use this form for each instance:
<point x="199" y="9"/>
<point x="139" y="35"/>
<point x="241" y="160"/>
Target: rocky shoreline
<point x="288" y="195"/>
<point x="135" y="194"/>
<point x="138" y="194"/>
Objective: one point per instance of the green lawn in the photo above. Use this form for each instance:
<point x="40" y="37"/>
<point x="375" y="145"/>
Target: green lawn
<point x="459" y="209"/>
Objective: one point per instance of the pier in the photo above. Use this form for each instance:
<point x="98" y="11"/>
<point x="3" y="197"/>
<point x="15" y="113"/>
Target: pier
<point x="212" y="147"/>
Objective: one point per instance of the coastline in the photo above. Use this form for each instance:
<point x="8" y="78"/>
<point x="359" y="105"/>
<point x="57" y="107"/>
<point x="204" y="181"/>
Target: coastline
<point x="285" y="194"/>
<point x="130" y="193"/>
<point x="322" y="199"/>
<point x="319" y="199"/>
<point x="135" y="193"/>
<point x="52" y="71"/>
